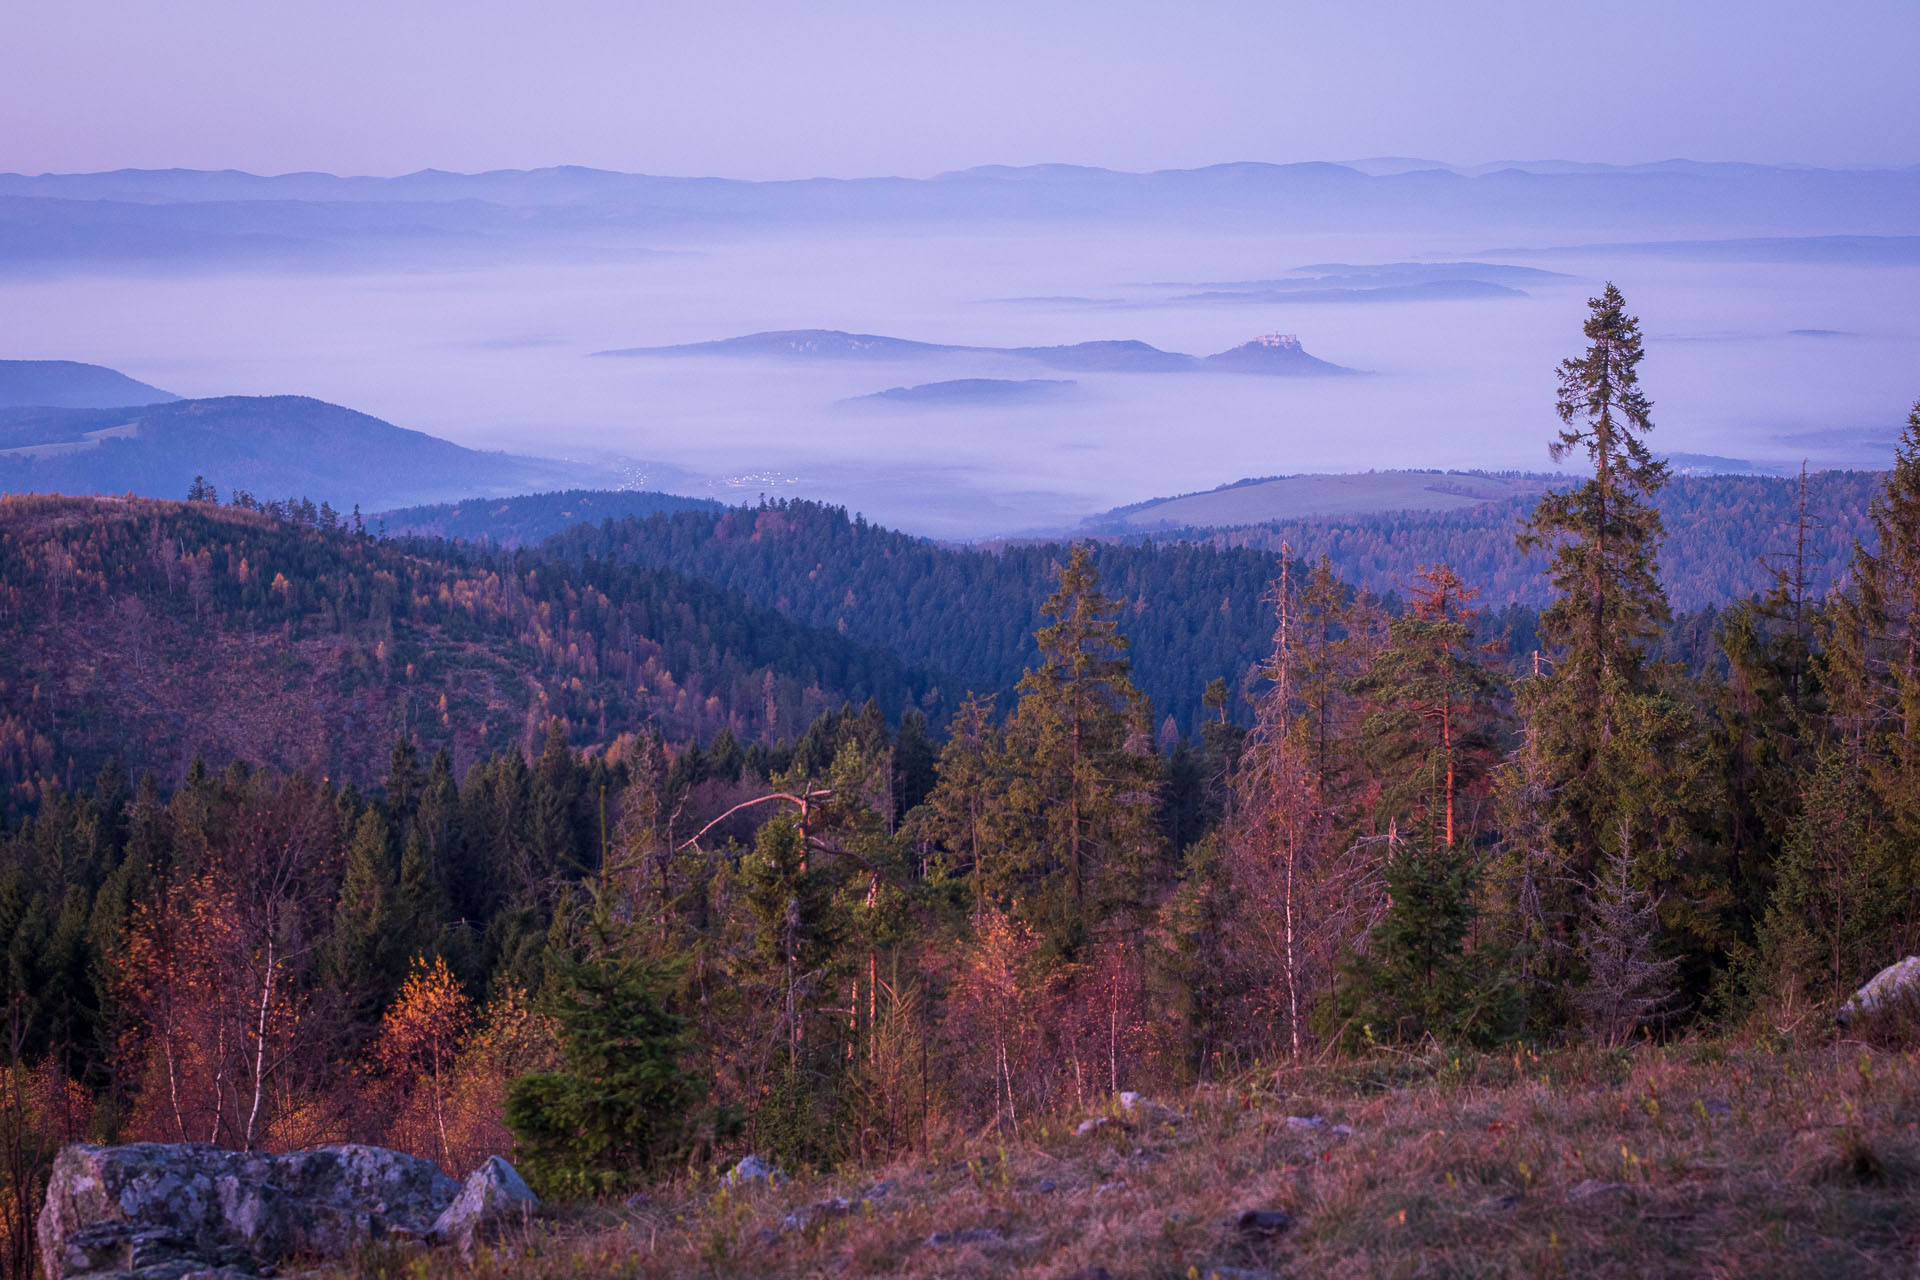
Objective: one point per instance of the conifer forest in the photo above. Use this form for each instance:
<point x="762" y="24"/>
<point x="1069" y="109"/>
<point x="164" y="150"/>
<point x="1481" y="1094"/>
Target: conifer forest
<point x="665" y="839"/>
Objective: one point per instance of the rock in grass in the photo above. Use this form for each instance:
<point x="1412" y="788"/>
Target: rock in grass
<point x="1146" y="1110"/>
<point x="754" y="1169"/>
<point x="1263" y="1224"/>
<point x="1893" y="990"/>
<point x="819" y="1211"/>
<point x="159" y="1211"/>
<point x="494" y="1196"/>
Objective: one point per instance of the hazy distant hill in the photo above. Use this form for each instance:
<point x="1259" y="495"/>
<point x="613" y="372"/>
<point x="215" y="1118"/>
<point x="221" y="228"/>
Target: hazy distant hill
<point x="1853" y="251"/>
<point x="1293" y="497"/>
<point x="69" y="384"/>
<point x="1424" y="291"/>
<point x="814" y="344"/>
<point x="1273" y="354"/>
<point x="1277" y="353"/>
<point x="271" y="446"/>
<point x="967" y="392"/>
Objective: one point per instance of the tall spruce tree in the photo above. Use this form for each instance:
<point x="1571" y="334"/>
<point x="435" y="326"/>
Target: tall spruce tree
<point x="1081" y="769"/>
<point x="1603" y="535"/>
<point x="1615" y="739"/>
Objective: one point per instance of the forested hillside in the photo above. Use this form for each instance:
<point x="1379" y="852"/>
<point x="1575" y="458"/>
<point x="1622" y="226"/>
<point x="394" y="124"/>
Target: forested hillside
<point x="1725" y="537"/>
<point x="530" y="518"/>
<point x="1194" y="597"/>
<point x="1193" y="613"/>
<point x="151" y="631"/>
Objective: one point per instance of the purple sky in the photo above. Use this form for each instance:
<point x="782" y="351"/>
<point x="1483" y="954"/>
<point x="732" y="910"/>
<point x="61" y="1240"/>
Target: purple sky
<point x="764" y="90"/>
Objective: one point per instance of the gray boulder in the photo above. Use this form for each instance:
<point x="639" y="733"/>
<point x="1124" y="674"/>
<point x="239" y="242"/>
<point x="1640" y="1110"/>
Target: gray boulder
<point x="1142" y="1108"/>
<point x="754" y="1169"/>
<point x="494" y="1196"/>
<point x="160" y="1211"/>
<point x="1893" y="988"/>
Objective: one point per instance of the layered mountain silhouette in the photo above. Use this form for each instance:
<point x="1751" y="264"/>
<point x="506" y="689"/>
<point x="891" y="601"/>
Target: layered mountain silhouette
<point x="271" y="446"/>
<point x="1273" y="354"/>
<point x="69" y="384"/>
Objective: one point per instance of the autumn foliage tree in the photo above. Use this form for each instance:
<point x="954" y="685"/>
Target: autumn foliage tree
<point x="420" y="1041"/>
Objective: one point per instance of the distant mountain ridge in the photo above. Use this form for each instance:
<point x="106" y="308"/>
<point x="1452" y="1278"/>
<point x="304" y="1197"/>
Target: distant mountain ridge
<point x="69" y="384"/>
<point x="1277" y="354"/>
<point x="309" y="219"/>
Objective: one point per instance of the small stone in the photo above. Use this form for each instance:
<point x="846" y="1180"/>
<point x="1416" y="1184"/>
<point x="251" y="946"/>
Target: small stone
<point x="1263" y="1224"/>
<point x="808" y="1214"/>
<point x="1044" y="1186"/>
<point x="1091" y="1125"/>
<point x="1118" y="1184"/>
<point x="1306" y="1122"/>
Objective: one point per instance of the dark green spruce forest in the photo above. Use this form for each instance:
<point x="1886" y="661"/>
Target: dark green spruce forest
<point x="705" y="830"/>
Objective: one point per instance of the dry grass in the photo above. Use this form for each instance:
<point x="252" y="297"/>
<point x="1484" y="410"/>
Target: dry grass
<point x="1699" y="1159"/>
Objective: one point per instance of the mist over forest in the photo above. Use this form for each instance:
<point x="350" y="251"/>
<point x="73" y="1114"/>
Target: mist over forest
<point x="472" y="307"/>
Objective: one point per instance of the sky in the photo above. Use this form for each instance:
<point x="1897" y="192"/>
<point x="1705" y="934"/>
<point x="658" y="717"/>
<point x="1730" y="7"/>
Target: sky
<point x="756" y="89"/>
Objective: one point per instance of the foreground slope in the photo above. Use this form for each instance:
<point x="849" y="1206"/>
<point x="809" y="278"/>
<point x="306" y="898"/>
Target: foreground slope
<point x="1697" y="1159"/>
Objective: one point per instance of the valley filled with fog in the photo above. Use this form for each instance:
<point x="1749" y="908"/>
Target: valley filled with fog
<point x="1760" y="353"/>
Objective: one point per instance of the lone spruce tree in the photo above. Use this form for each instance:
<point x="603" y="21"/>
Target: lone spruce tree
<point x="1613" y="744"/>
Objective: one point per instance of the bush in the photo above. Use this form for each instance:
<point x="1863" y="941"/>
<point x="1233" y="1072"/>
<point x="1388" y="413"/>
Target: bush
<point x="623" y="1102"/>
